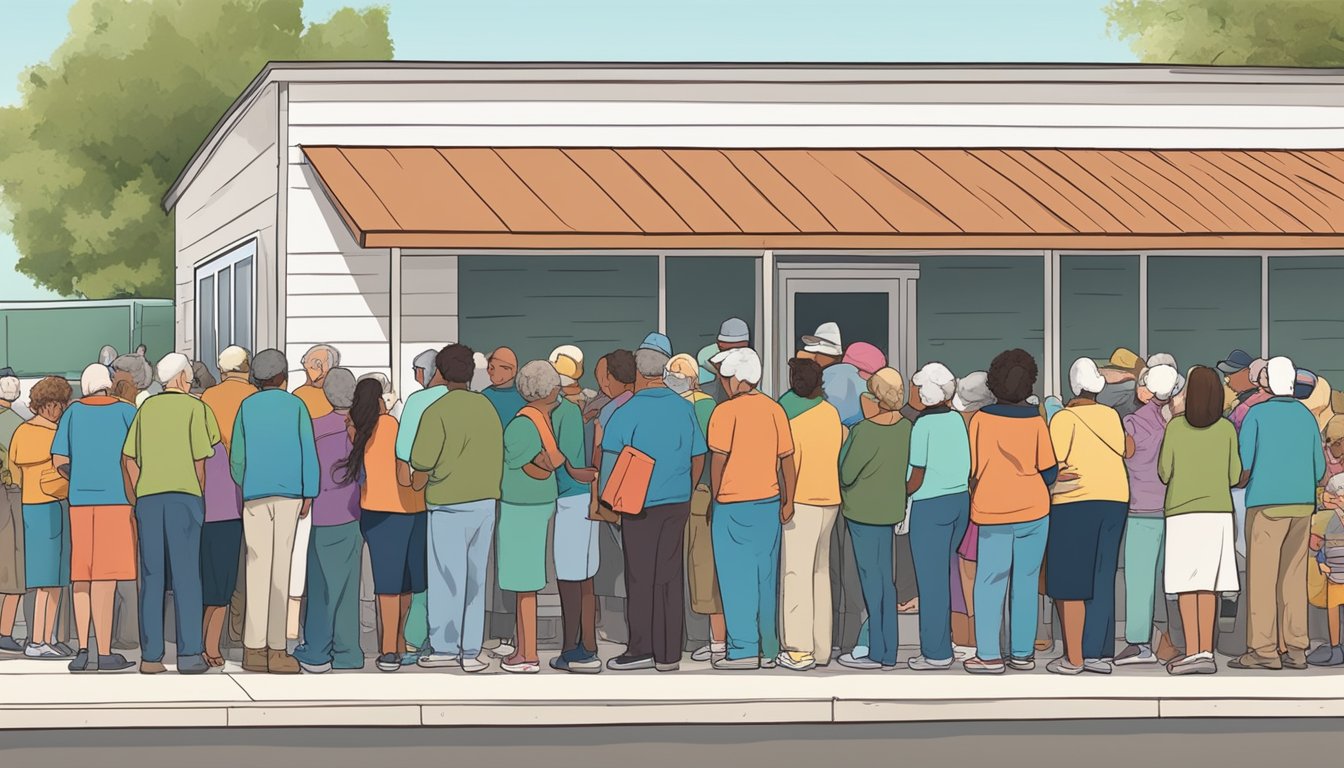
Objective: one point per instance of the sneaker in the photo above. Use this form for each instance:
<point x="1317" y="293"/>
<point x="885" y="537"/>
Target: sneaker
<point x="979" y="666"/>
<point x="671" y="667"/>
<point x="1252" y="661"/>
<point x="473" y="664"/>
<point x="9" y="645"/>
<point x="709" y="652"/>
<point x="196" y="665"/>
<point x="438" y="660"/>
<point x="767" y="662"/>
<point x="521" y="666"/>
<point x="388" y="662"/>
<point x="41" y="651"/>
<point x="586" y="662"/>
<point x="1023" y="664"/>
<point x="730" y="665"/>
<point x="503" y="651"/>
<point x="921" y="664"/>
<point x="798" y="662"/>
<point x="315" y="669"/>
<point x="114" y="662"/>
<point x="1136" y="654"/>
<point x="66" y="651"/>
<point x="1097" y="666"/>
<point x="409" y="658"/>
<point x="1061" y="666"/>
<point x="963" y="652"/>
<point x="850" y="661"/>
<point x="1326" y="656"/>
<point x="624" y="663"/>
<point x="81" y="662"/>
<point x="1199" y="664"/>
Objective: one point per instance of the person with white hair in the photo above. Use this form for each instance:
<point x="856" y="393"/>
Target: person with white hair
<point x="1088" y="507"/>
<point x="12" y="586"/>
<point x="940" y="508"/>
<point x="662" y="425"/>
<point x="164" y="457"/>
<point x="751" y="446"/>
<point x="1282" y="463"/>
<point x="87" y="451"/>
<point x="1145" y="525"/>
<point x="317" y="362"/>
<point x="972" y="395"/>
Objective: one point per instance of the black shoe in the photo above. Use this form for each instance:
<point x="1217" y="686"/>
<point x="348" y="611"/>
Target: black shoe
<point x="114" y="662"/>
<point x="81" y="662"/>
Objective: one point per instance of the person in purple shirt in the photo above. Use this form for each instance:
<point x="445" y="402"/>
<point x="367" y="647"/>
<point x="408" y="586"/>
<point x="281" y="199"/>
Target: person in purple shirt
<point x="331" y="624"/>
<point x="1145" y="526"/>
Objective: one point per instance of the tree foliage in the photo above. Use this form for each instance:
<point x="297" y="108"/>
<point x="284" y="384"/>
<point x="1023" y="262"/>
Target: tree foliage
<point x="1284" y="33"/>
<point x="106" y="125"/>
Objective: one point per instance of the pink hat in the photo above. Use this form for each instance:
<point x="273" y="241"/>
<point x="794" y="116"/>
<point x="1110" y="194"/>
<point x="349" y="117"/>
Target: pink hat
<point x="866" y="357"/>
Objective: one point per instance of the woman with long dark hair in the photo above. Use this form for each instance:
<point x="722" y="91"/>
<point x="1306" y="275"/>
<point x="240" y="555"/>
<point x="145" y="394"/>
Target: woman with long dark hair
<point x="392" y="517"/>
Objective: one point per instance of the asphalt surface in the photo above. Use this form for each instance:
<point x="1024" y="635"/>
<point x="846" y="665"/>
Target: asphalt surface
<point x="1091" y="744"/>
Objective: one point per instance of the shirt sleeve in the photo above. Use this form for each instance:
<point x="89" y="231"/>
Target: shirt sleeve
<point x="1246" y="441"/>
<point x="854" y="458"/>
<point x="60" y="444"/>
<point x="410" y="424"/>
<point x="783" y="434"/>
<point x="1234" y="465"/>
<point x="202" y="441"/>
<point x="1166" y="462"/>
<point x="311" y="471"/>
<point x="522" y="443"/>
<point x="721" y="430"/>
<point x="427" y="439"/>
<point x="131" y="447"/>
<point x="238" y="447"/>
<point x="698" y="445"/>
<point x="1046" y="457"/>
<point x="1059" y="441"/>
<point x="919" y="445"/>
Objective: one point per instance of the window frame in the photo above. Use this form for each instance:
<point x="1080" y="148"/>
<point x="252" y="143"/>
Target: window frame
<point x="224" y="263"/>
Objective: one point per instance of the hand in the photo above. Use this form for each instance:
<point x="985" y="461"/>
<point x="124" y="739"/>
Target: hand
<point x="785" y="512"/>
<point x="1067" y="477"/>
<point x="306" y="508"/>
<point x="544" y="461"/>
<point x="1315" y="541"/>
<point x="583" y="474"/>
<point x="1324" y="568"/>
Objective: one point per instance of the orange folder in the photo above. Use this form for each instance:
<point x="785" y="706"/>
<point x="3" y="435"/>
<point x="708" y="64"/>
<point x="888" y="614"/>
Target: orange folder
<point x="628" y="486"/>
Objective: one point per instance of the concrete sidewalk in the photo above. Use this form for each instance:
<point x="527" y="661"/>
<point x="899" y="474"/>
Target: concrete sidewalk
<point x="41" y="694"/>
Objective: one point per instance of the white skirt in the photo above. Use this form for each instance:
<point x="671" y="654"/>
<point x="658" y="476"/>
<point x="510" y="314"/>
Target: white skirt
<point x="1200" y="553"/>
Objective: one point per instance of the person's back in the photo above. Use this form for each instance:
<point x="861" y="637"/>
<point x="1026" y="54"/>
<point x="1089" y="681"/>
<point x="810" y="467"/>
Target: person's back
<point x="872" y="472"/>
<point x="1089" y="442"/>
<point x="753" y="432"/>
<point x="567" y="424"/>
<point x="380" y="491"/>
<point x="412" y="411"/>
<point x="9" y="422"/>
<point x="1199" y="466"/>
<point x="662" y="424"/>
<point x="817" y="438"/>
<point x="171" y="430"/>
<point x="91" y="433"/>
<point x="1010" y="448"/>
<point x="943" y="443"/>
<point x="273" y="451"/>
<point x="1281" y="447"/>
<point x="843" y="387"/>
<point x="460" y="443"/>
<point x="337" y="502"/>
<point x="506" y="401"/>
<point x="1146" y="426"/>
<point x="224" y="399"/>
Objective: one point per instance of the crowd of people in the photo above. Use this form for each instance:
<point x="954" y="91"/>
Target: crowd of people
<point x="767" y="516"/>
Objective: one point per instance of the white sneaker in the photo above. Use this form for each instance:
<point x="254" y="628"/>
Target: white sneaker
<point x="709" y="652"/>
<point x="522" y="667"/>
<point x="786" y="660"/>
<point x="1136" y="654"/>
<point x="963" y="652"/>
<point x="1097" y="666"/>
<point x="851" y="661"/>
<point x="474" y="665"/>
<point x="41" y="651"/>
<point x="921" y="664"/>
<point x="503" y="651"/>
<point x="437" y="660"/>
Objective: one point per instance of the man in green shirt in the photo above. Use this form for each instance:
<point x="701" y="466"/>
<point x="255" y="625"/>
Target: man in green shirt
<point x="164" y="460"/>
<point x="458" y="452"/>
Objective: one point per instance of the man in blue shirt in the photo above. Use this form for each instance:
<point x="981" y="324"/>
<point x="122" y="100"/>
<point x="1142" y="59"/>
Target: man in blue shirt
<point x="274" y="459"/>
<point x="502" y="393"/>
<point x="1282" y="460"/>
<point x="661" y="424"/>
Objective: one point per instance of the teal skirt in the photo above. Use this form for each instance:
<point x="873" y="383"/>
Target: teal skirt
<point x="520" y="549"/>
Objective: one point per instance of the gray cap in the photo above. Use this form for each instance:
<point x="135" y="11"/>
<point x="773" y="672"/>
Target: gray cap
<point x="268" y="364"/>
<point x="339" y="387"/>
<point x="425" y="360"/>
<point x="734" y="330"/>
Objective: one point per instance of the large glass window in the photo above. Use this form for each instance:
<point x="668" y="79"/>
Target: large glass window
<point x="533" y="304"/>
<point x="1202" y="307"/>
<point x="1099" y="308"/>
<point x="225" y="298"/>
<point x="1306" y="321"/>
<point x="702" y="292"/>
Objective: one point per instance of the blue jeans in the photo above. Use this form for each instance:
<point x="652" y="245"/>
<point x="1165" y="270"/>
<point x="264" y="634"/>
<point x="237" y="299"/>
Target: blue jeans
<point x="168" y="526"/>
<point x="936" y="528"/>
<point x="746" y="538"/>
<point x="1008" y="571"/>
<point x="331" y="620"/>
<point x="874" y="547"/>
<point x="459" y="545"/>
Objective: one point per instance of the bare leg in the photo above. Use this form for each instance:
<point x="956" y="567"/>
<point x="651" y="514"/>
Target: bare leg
<point x="404" y="610"/>
<point x="967" y="568"/>
<point x="9" y="610"/>
<point x="103" y="595"/>
<point x="1332" y="619"/>
<point x="588" y="624"/>
<point x="1071" y="615"/>
<point x="718" y="628"/>
<point x="1189" y="603"/>
<point x="1208" y="614"/>
<point x="526" y="628"/>
<point x="389" y="624"/>
<point x="80" y="595"/>
<point x="214" y="629"/>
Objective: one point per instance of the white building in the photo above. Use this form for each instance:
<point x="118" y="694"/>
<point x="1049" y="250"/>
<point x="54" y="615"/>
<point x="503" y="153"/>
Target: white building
<point x="940" y="212"/>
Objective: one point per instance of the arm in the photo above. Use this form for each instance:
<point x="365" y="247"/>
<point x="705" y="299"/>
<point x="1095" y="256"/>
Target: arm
<point x="60" y="446"/>
<point x="855" y="457"/>
<point x="1061" y="436"/>
<point x="915" y="481"/>
<point x="312" y="471"/>
<point x="61" y="464"/>
<point x="238" y="449"/>
<point x="790" y="473"/>
<point x="697" y="468"/>
<point x="1246" y="446"/>
<point x="200" y="473"/>
<point x="1166" y="462"/>
<point x="717" y="462"/>
<point x="1234" y="467"/>
<point x="1047" y="461"/>
<point x="919" y="459"/>
<point x="1130" y="446"/>
<point x="130" y="471"/>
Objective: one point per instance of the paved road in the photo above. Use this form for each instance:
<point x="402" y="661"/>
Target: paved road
<point x="1093" y="744"/>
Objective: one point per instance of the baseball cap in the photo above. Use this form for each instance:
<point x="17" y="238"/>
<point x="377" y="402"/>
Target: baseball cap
<point x="702" y="357"/>
<point x="741" y="363"/>
<point x="568" y="362"/>
<point x="866" y="357"/>
<point x="1237" y="360"/>
<point x="826" y="341"/>
<point x="657" y="342"/>
<point x="734" y="330"/>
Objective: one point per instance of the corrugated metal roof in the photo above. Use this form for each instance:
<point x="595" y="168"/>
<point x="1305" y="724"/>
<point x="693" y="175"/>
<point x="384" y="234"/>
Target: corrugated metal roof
<point x="552" y="197"/>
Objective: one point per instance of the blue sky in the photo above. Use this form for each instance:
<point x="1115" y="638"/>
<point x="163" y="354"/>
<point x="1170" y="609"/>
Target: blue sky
<point x="660" y="30"/>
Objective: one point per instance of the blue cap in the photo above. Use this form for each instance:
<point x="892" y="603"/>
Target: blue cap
<point x="702" y="357"/>
<point x="1237" y="360"/>
<point x="657" y="342"/>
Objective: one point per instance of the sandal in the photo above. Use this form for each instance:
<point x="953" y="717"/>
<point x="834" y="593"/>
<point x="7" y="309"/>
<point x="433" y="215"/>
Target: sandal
<point x="214" y="661"/>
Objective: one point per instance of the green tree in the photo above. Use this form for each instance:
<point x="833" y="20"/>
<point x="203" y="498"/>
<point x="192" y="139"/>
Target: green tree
<point x="1279" y="33"/>
<point x="106" y="125"/>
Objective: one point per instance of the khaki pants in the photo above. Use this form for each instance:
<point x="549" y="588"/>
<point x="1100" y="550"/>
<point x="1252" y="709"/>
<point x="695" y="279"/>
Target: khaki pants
<point x="805" y="581"/>
<point x="268" y="537"/>
<point x="701" y="578"/>
<point x="1276" y="576"/>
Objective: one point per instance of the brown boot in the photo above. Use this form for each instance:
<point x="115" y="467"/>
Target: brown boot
<point x="254" y="659"/>
<point x="151" y="667"/>
<point x="281" y="663"/>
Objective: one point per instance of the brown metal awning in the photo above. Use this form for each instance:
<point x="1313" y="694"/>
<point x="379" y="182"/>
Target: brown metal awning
<point x="427" y="197"/>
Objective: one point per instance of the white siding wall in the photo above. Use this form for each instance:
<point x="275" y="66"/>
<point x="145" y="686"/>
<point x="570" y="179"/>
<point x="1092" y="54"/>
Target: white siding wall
<point x="428" y="309"/>
<point x="233" y="198"/>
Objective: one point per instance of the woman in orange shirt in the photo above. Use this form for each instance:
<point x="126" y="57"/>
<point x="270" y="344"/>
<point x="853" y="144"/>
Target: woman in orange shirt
<point x="392" y="518"/>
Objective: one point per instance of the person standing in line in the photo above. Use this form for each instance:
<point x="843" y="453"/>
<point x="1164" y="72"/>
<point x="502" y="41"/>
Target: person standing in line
<point x="972" y="395"/>
<point x="12" y="586"/>
<point x="1088" y="508"/>
<point x="457" y="457"/>
<point x="734" y="333"/>
<point x="751" y="444"/>
<point x="1013" y="465"/>
<point x="502" y="367"/>
<point x="1282" y="463"/>
<point x="1120" y="388"/>
<point x="274" y="459"/>
<point x="317" y="362"/>
<point x="702" y="581"/>
<point x="1145" y="526"/>
<point x="392" y="518"/>
<point x="940" y="507"/>
<point x="87" y="452"/>
<point x="1199" y="463"/>
<point x="164" y="456"/>
<point x="408" y="421"/>
<point x="873" y="466"/>
<point x="615" y="373"/>
<point x="222" y="533"/>
<point x="805" y="553"/>
<point x="575" y="534"/>
<point x="46" y="522"/>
